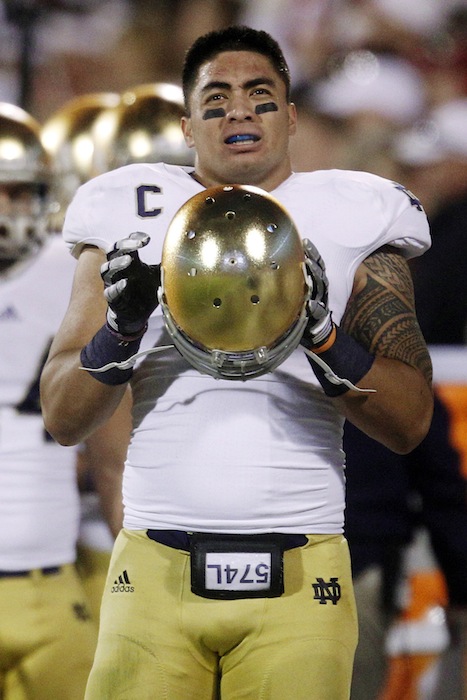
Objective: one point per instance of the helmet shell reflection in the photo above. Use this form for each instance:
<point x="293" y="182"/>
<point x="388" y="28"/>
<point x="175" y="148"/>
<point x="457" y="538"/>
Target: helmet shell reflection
<point x="233" y="283"/>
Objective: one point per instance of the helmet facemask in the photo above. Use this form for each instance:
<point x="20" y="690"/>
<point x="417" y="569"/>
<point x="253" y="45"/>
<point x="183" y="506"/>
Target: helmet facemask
<point x="24" y="228"/>
<point x="25" y="175"/>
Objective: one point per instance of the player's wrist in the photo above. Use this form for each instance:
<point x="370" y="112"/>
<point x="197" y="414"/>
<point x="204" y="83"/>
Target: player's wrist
<point x="106" y="347"/>
<point x="321" y="335"/>
<point x="345" y="357"/>
<point x="126" y="330"/>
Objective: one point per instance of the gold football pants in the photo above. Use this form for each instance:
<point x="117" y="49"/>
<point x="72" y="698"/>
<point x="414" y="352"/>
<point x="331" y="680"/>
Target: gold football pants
<point x="47" y="636"/>
<point x="92" y="566"/>
<point x="159" y="641"/>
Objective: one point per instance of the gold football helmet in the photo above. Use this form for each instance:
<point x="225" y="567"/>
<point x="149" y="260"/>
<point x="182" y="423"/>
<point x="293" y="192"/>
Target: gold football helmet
<point x="143" y="128"/>
<point x="69" y="138"/>
<point x="234" y="286"/>
<point x="24" y="184"/>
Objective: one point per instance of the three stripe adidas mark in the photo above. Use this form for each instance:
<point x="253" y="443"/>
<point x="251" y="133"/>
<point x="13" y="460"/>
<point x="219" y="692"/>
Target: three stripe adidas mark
<point x="122" y="584"/>
<point x="123" y="578"/>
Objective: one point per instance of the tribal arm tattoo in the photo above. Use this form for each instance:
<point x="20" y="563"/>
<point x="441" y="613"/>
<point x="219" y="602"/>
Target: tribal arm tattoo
<point x="380" y="313"/>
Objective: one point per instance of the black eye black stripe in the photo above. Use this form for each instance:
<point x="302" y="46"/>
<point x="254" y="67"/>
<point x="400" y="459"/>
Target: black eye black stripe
<point x="266" y="107"/>
<point x="220" y="112"/>
<point x="214" y="113"/>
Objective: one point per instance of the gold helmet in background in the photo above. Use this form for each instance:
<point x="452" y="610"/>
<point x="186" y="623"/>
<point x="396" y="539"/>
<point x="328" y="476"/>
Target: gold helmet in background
<point x="69" y="138"/>
<point x="24" y="183"/>
<point x="143" y="128"/>
<point x="234" y="289"/>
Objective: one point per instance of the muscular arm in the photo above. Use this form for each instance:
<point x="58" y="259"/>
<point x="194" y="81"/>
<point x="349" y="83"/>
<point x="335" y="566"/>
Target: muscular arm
<point x="74" y="403"/>
<point x="104" y="456"/>
<point x="380" y="315"/>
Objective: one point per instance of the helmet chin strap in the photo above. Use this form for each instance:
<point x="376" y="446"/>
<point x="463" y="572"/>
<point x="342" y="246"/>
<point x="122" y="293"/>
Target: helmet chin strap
<point x="221" y="365"/>
<point x="332" y="377"/>
<point x="128" y="364"/>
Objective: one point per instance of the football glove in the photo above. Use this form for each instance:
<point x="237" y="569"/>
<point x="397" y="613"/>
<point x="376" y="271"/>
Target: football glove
<point x="320" y="325"/>
<point x="130" y="286"/>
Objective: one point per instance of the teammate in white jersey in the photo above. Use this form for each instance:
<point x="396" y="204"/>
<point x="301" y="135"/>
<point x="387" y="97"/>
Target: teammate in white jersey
<point x="47" y="635"/>
<point x="231" y="577"/>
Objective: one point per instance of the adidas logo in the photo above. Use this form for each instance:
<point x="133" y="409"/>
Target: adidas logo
<point x="122" y="584"/>
<point x="9" y="314"/>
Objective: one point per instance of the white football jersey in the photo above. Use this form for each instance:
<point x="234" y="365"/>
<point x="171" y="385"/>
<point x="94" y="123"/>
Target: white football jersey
<point x="39" y="509"/>
<point x="265" y="454"/>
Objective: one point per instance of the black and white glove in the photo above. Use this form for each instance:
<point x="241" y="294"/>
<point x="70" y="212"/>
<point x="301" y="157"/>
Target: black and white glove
<point x="320" y="325"/>
<point x="130" y="286"/>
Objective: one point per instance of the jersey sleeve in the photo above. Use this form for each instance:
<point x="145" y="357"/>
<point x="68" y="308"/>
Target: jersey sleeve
<point x="82" y="226"/>
<point x="408" y="229"/>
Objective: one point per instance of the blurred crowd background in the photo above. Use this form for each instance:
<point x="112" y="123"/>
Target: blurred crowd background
<point x="381" y="86"/>
<point x="363" y="71"/>
<point x="53" y="50"/>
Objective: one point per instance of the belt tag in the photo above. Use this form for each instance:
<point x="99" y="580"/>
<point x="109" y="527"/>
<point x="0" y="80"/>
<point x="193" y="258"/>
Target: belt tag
<point x="228" y="567"/>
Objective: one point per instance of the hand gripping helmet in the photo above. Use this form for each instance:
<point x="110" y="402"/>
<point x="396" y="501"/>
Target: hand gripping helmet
<point x="143" y="128"/>
<point x="233" y="290"/>
<point x="24" y="183"/>
<point x="69" y="138"/>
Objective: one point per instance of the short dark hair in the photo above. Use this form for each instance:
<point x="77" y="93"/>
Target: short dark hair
<point x="233" y="38"/>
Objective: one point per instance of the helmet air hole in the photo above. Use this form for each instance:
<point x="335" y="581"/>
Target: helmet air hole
<point x="274" y="265"/>
<point x="190" y="234"/>
<point x="230" y="215"/>
<point x="270" y="228"/>
<point x="217" y="302"/>
<point x="210" y="200"/>
<point x="254" y="299"/>
<point x="192" y="272"/>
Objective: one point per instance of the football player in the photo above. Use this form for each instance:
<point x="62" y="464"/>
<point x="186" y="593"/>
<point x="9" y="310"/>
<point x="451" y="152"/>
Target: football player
<point x="48" y="636"/>
<point x="232" y="562"/>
